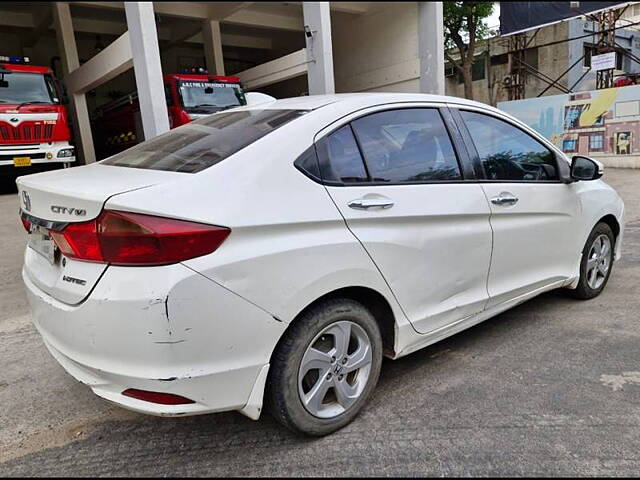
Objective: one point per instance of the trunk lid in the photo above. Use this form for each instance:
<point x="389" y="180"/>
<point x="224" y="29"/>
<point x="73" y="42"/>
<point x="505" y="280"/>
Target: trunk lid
<point x="53" y="199"/>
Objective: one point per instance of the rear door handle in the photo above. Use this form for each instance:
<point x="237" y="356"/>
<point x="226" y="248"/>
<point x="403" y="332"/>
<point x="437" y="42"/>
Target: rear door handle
<point x="371" y="203"/>
<point x="505" y="198"/>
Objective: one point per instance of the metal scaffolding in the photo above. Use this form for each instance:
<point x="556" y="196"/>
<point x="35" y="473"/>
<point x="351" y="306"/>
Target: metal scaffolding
<point x="520" y="71"/>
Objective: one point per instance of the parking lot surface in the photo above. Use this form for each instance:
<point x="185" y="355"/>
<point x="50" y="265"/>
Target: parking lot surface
<point x="549" y="388"/>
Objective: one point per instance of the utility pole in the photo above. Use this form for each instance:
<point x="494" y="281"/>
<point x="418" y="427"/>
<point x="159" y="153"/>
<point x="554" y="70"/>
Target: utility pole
<point x="606" y="44"/>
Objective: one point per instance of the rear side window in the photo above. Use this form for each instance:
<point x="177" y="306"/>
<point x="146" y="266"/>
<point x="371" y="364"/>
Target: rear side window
<point x="340" y="159"/>
<point x="204" y="142"/>
<point x="405" y="146"/>
<point x="508" y="153"/>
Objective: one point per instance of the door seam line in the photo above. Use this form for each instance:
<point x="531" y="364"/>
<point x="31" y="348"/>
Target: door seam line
<point x="372" y="261"/>
<point x="493" y="236"/>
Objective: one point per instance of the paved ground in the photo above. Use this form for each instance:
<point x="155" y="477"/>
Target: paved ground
<point x="549" y="388"/>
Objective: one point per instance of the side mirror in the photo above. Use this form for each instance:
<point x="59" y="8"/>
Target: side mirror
<point x="585" y="168"/>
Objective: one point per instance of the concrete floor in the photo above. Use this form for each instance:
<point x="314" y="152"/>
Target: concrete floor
<point x="549" y="388"/>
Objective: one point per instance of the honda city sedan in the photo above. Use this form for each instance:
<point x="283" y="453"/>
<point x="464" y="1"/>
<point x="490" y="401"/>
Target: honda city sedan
<point x="272" y="254"/>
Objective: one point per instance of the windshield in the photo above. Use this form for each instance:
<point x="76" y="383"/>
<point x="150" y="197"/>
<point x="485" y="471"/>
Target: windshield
<point x="34" y="88"/>
<point x="204" y="142"/>
<point x="211" y="96"/>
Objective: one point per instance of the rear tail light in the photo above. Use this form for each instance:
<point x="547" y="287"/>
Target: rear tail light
<point x="123" y="238"/>
<point x="26" y="224"/>
<point x="156" y="397"/>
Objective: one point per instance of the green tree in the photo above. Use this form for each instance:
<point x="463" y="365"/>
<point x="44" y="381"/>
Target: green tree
<point x="464" y="25"/>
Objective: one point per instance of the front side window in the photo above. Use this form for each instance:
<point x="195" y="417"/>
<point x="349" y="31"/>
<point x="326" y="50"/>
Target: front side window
<point x="404" y="146"/>
<point x="203" y="142"/>
<point x="508" y="153"/>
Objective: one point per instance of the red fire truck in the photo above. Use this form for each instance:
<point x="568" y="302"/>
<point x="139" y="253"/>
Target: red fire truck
<point x="117" y="125"/>
<point x="34" y="129"/>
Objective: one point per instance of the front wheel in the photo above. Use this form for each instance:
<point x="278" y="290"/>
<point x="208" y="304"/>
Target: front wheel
<point x="596" y="263"/>
<point x="325" y="367"/>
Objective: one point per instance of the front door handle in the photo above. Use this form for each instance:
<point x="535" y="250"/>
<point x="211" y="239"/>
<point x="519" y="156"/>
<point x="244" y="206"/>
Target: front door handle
<point x="370" y="203"/>
<point x="505" y="198"/>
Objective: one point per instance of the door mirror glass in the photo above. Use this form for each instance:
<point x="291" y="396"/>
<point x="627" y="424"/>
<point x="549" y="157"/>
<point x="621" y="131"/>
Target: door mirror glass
<point x="585" y="168"/>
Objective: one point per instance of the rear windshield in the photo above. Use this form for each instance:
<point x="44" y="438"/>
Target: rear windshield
<point x="203" y="142"/>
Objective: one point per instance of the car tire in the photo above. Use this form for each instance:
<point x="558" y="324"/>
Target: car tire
<point x="311" y="388"/>
<point x="595" y="266"/>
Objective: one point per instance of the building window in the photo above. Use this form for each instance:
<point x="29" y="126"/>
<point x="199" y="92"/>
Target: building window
<point x="619" y="59"/>
<point x="449" y="70"/>
<point x="478" y="69"/>
<point x="500" y="59"/>
<point x="596" y="142"/>
<point x="588" y="51"/>
<point x="569" y="145"/>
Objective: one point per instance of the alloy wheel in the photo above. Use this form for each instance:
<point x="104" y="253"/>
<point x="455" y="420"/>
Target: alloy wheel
<point x="599" y="261"/>
<point x="334" y="369"/>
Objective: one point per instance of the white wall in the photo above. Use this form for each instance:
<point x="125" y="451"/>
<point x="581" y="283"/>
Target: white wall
<point x="377" y="51"/>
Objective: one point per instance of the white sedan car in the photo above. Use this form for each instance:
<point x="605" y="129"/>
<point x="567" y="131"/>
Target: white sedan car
<point x="272" y="254"/>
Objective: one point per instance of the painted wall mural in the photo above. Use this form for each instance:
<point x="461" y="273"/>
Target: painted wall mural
<point x="598" y="123"/>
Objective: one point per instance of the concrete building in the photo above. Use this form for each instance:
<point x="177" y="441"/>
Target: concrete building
<point x="551" y="54"/>
<point x="105" y="49"/>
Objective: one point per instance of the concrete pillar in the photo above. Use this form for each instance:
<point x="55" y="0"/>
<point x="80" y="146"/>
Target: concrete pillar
<point x="213" y="47"/>
<point x="143" y="35"/>
<point x="431" y="47"/>
<point x="78" y="110"/>
<point x="317" y="21"/>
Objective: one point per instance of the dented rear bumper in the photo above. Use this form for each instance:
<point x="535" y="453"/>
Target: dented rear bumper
<point x="165" y="329"/>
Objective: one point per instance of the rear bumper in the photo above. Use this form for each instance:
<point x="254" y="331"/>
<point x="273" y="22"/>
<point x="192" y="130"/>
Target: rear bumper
<point x="162" y="329"/>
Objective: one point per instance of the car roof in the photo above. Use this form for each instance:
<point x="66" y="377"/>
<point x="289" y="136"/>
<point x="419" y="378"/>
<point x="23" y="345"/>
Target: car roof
<point x="313" y="102"/>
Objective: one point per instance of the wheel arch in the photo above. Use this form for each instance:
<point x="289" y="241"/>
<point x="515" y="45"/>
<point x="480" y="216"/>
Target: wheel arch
<point x="376" y="302"/>
<point x="612" y="221"/>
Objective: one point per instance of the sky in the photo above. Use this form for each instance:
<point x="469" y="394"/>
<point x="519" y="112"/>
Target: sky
<point x="494" y="20"/>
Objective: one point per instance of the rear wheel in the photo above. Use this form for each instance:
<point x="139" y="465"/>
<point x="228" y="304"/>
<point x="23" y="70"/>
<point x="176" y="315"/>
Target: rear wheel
<point x="596" y="263"/>
<point x="325" y="367"/>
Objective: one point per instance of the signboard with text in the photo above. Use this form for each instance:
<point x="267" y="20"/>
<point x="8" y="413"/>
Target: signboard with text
<point x="603" y="61"/>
